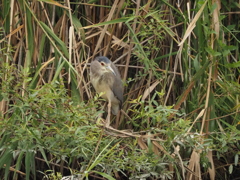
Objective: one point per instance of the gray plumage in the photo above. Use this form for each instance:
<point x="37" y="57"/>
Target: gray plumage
<point x="105" y="78"/>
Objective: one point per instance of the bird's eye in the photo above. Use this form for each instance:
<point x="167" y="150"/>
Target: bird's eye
<point x="102" y="63"/>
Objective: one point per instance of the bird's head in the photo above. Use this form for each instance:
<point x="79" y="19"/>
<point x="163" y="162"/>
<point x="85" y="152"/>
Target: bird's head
<point x="104" y="65"/>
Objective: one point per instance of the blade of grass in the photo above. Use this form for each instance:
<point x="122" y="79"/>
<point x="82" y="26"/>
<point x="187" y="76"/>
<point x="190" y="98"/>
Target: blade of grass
<point x="192" y="24"/>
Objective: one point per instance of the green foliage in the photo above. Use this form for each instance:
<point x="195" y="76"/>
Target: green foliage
<point x="149" y="114"/>
<point x="45" y="120"/>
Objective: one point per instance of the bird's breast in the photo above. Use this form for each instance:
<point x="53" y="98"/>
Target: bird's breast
<point x="107" y="79"/>
<point x="103" y="84"/>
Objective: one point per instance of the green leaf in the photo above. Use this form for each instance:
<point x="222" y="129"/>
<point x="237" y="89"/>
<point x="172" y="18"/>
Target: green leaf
<point x="1" y="97"/>
<point x="231" y="27"/>
<point x="236" y="158"/>
<point x="105" y="175"/>
<point x="213" y="7"/>
<point x="7" y="167"/>
<point x="230" y="48"/>
<point x="18" y="164"/>
<point x="196" y="63"/>
<point x="59" y="42"/>
<point x="78" y="26"/>
<point x="27" y="165"/>
<point x="212" y="52"/>
<point x="44" y="155"/>
<point x="230" y="169"/>
<point x="119" y="20"/>
<point x="233" y="65"/>
<point x="5" y="157"/>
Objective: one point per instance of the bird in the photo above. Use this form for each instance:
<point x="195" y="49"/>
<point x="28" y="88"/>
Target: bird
<point x="106" y="79"/>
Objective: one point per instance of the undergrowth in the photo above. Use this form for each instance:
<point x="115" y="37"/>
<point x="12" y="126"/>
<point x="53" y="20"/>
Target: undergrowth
<point x="45" y="135"/>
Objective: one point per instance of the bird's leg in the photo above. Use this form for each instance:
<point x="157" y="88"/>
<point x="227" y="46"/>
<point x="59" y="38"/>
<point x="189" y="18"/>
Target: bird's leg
<point x="117" y="120"/>
<point x="109" y="114"/>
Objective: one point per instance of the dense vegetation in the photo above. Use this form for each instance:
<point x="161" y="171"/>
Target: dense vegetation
<point x="180" y="68"/>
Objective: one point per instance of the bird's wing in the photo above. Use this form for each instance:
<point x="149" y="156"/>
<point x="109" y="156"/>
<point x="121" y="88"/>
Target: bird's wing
<point x="118" y="89"/>
<point x="117" y="85"/>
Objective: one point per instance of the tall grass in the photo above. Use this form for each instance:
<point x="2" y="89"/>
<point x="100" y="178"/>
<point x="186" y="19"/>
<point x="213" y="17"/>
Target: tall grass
<point x="180" y="68"/>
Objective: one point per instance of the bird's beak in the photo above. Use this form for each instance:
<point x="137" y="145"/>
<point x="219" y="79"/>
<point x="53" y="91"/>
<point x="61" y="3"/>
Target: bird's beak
<point x="109" y="67"/>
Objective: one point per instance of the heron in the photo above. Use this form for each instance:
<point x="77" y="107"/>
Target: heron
<point x="106" y="79"/>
